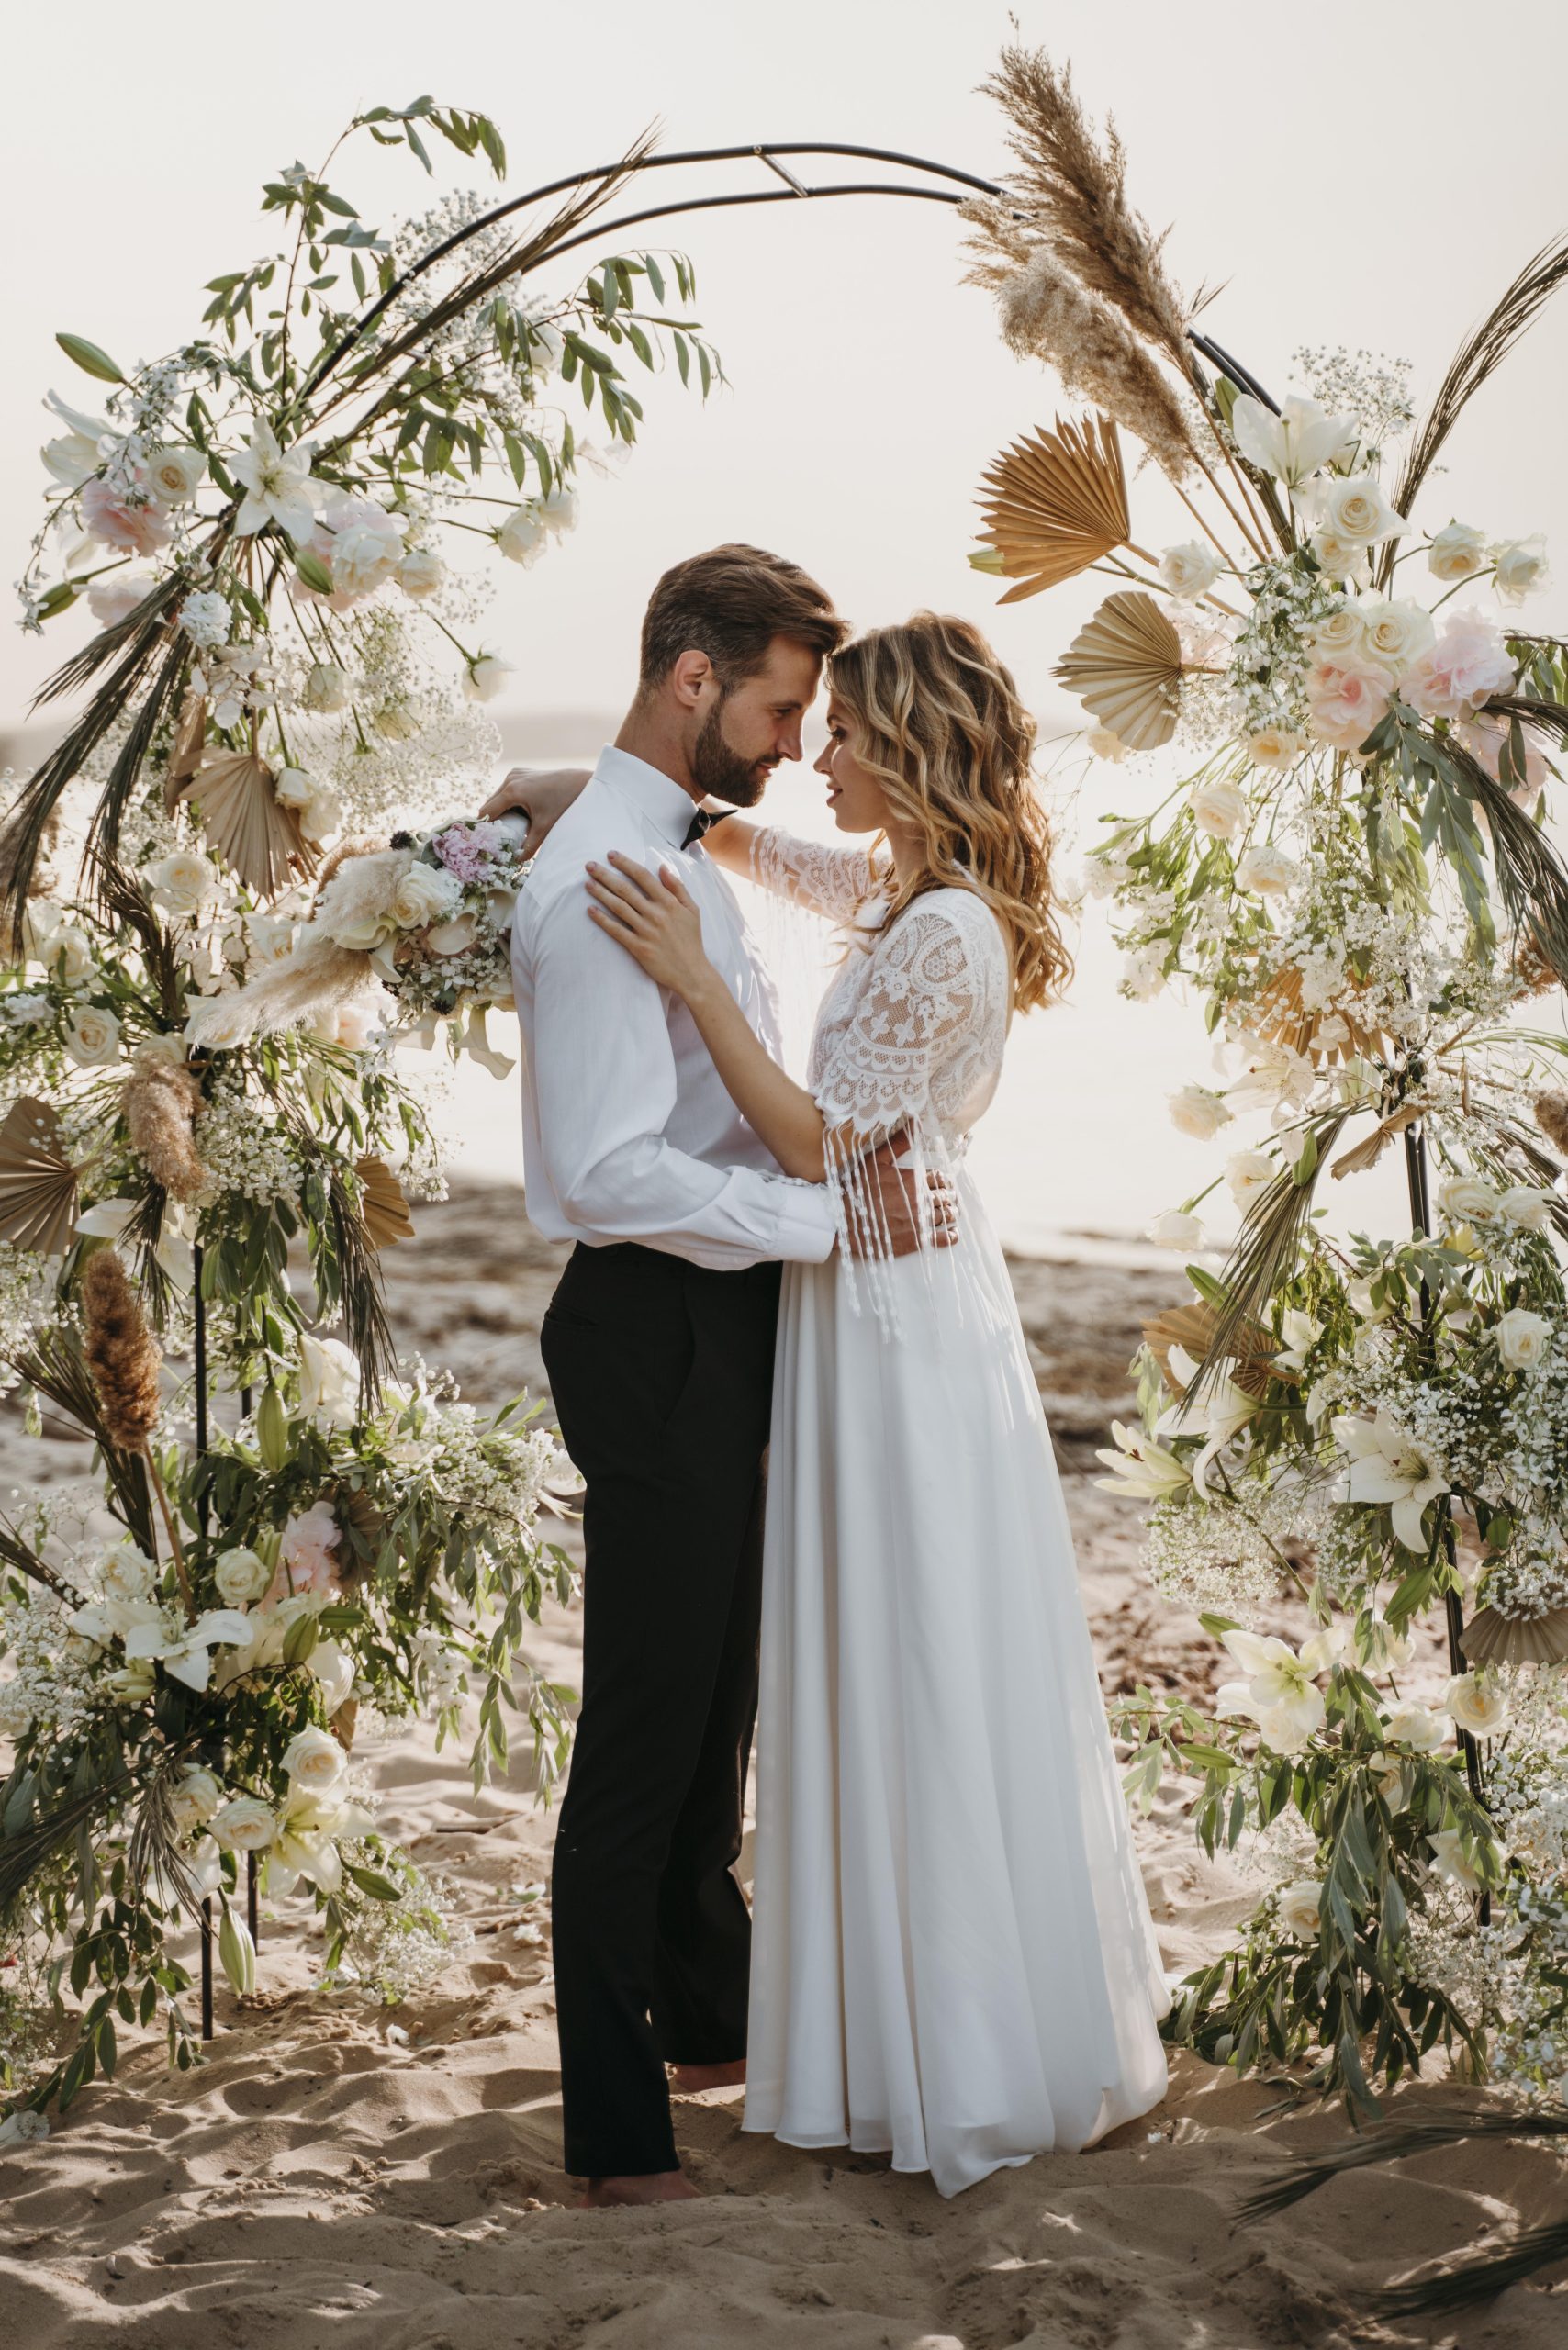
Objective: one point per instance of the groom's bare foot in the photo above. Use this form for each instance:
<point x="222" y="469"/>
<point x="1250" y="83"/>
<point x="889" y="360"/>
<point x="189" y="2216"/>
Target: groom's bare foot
<point x="690" y="2080"/>
<point x="648" y="2187"/>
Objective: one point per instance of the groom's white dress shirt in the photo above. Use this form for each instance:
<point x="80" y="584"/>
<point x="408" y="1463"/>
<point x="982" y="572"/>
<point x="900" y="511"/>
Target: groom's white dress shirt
<point x="627" y="1131"/>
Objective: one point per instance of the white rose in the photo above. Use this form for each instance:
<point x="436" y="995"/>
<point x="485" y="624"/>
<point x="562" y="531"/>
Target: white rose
<point x="269" y="937"/>
<point x="1219" y="809"/>
<point x="181" y="882"/>
<point x="314" y="1761"/>
<point x="1352" y="509"/>
<point x="1524" y="1204"/>
<point x="327" y="688"/>
<point x="92" y="1039"/>
<point x="332" y="1667"/>
<point x="1456" y="551"/>
<point x="174" y="474"/>
<point x="1414" y="1726"/>
<point x="1266" y="869"/>
<point x="329" y="1380"/>
<point x="420" y="573"/>
<point x="1395" y="634"/>
<point x="244" y="1825"/>
<point x="1197" y="1111"/>
<point x="113" y="599"/>
<point x="1104" y="743"/>
<point x="1275" y="746"/>
<point x="1247" y="1173"/>
<point x="1523" y="1338"/>
<point x="1189" y="570"/>
<point x="294" y="785"/>
<point x="195" y="1799"/>
<point x="1465" y="1199"/>
<point x="1176" y="1230"/>
<point x="364" y="553"/>
<point x="520" y="537"/>
<point x="206" y="619"/>
<point x="354" y="1025"/>
<point x="68" y="948"/>
<point x="1476" y="1705"/>
<point x="1339" y="557"/>
<point x="240" y="1575"/>
<point x="1521" y="568"/>
<point x="426" y="893"/>
<point x="1142" y="973"/>
<point x="1300" y="1911"/>
<point x="485" y="677"/>
<point x="1337" y="633"/>
<point x="126" y="1572"/>
<point x="559" y="510"/>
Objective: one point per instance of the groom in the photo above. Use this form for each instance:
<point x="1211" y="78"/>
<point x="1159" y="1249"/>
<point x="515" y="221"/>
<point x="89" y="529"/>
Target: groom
<point x="660" y="1346"/>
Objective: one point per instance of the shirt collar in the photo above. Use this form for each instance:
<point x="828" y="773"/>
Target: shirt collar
<point x="669" y="806"/>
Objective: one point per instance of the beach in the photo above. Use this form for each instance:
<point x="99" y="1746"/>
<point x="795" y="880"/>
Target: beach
<point x="338" y="2175"/>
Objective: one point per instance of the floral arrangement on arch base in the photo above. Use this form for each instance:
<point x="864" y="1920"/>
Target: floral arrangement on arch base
<point x="1353" y="879"/>
<point x="284" y="696"/>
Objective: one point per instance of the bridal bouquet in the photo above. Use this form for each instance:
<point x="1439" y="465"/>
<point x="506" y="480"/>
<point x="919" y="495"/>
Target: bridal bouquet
<point x="1354" y="879"/>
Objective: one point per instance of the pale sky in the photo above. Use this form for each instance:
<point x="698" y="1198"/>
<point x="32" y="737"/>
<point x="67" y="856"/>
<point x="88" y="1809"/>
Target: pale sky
<point x="1365" y="172"/>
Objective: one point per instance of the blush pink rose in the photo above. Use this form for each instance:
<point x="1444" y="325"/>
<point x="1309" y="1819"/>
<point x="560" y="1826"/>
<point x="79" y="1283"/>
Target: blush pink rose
<point x="304" y="1556"/>
<point x="1345" y="700"/>
<point x="1468" y="662"/>
<point x="119" y="524"/>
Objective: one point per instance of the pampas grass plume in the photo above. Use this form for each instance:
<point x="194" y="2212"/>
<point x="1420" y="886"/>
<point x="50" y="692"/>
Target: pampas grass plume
<point x="159" y="1102"/>
<point x="119" y="1351"/>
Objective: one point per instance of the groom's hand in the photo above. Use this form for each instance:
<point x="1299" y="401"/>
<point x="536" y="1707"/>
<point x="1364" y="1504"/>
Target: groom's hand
<point x="896" y="1222"/>
<point x="542" y="794"/>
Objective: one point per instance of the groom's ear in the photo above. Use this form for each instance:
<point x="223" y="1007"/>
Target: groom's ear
<point x="689" y="677"/>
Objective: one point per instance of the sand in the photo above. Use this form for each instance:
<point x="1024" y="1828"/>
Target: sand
<point x="339" y="2176"/>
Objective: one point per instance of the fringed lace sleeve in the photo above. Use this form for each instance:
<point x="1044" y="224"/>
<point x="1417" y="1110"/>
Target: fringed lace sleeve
<point x="830" y="881"/>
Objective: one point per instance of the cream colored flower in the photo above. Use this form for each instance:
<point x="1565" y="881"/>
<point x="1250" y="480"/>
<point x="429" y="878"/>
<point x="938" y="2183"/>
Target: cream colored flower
<point x="1476" y="1704"/>
<point x="1189" y="570"/>
<point x="278" y="485"/>
<point x="420" y="573"/>
<point x="1275" y="746"/>
<point x="1386" y="1466"/>
<point x="174" y="474"/>
<point x="1457" y="552"/>
<point x="1299" y="1910"/>
<point x="1523" y="1338"/>
<point x="1295" y="442"/>
<point x="184" y="1649"/>
<point x="1176" y="1230"/>
<point x="1197" y="1111"/>
<point x="1416" y="1728"/>
<point x="1217" y="1415"/>
<point x="314" y="1761"/>
<point x="1394" y="634"/>
<point x="1279" y="1693"/>
<point x="1143" y="1470"/>
<point x="182" y="882"/>
<point x="1248" y="1172"/>
<point x="426" y="893"/>
<point x="241" y="1576"/>
<point x="1451" y="1861"/>
<point x="1300" y="1334"/>
<point x="521" y="536"/>
<point x="1103" y="743"/>
<point x="1219" y="809"/>
<point x="1521" y="568"/>
<point x="1352" y="509"/>
<point x="1266" y="869"/>
<point x="332" y="1667"/>
<point x="485" y="677"/>
<point x="125" y="1571"/>
<point x="1337" y="633"/>
<point x="327" y="689"/>
<point x="1528" y="1206"/>
<point x="245" y="1824"/>
<point x="92" y="1039"/>
<point x="329" y="1382"/>
<point x="1465" y="1199"/>
<point x="194" y="1798"/>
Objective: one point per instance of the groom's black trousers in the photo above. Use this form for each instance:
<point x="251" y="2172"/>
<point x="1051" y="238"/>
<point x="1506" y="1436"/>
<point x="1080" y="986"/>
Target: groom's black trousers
<point x="661" y="1374"/>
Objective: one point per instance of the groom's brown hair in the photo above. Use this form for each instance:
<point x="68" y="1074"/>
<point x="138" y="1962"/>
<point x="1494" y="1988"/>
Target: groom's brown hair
<point x="729" y="604"/>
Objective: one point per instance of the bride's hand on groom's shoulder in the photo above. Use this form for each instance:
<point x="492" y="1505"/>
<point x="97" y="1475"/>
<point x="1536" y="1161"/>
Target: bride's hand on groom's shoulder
<point x="543" y="795"/>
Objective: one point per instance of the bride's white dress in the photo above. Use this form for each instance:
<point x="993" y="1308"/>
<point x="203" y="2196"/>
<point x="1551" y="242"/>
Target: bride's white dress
<point x="952" y="1955"/>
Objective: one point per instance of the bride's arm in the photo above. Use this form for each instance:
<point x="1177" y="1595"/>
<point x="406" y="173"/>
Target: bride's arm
<point x="829" y="881"/>
<point x="643" y="911"/>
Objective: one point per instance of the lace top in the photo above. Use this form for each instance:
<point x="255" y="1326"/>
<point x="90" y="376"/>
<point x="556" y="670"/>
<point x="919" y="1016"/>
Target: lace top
<point x="827" y="881"/>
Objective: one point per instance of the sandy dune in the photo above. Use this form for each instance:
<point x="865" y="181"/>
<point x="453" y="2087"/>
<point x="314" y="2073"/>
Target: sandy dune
<point x="324" y="2182"/>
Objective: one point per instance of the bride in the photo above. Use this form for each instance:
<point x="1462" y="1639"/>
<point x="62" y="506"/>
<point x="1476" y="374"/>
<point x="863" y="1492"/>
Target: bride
<point x="952" y="1955"/>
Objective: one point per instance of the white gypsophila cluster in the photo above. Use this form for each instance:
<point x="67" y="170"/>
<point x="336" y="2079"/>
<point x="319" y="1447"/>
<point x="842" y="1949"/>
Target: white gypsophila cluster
<point x="1271" y="655"/>
<point x="1531" y="1578"/>
<point x="498" y="1476"/>
<point x="1445" y="1952"/>
<point x="1526" y="1772"/>
<point x="1526" y="1949"/>
<point x="395" y="1949"/>
<point x="27" y="1304"/>
<point x="1231" y="1559"/>
<point x="1366" y="384"/>
<point x="53" y="1667"/>
<point x="409" y="747"/>
<point x="1205" y="709"/>
<point x="30" y="2017"/>
<point x="242" y="1149"/>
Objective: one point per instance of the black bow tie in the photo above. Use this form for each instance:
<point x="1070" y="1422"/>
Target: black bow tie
<point x="703" y="821"/>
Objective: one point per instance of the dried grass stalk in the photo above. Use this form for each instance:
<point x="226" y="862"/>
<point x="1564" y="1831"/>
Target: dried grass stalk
<point x="1046" y="314"/>
<point x="120" y="1352"/>
<point x="1551" y="1117"/>
<point x="1074" y="190"/>
<point x="159" y="1102"/>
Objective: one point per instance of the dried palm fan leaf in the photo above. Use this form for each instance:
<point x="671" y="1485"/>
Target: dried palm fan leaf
<point x="1058" y="503"/>
<point x="1491" y="1639"/>
<point x="38" y="1182"/>
<point x="382" y="1207"/>
<point x="1367" y="1153"/>
<point x="1192" y="1327"/>
<point x="256" y="836"/>
<point x="1283" y="1019"/>
<point x="1123" y="666"/>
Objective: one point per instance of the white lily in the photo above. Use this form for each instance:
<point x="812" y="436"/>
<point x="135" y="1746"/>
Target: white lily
<point x="107" y="1219"/>
<point x="278" y="485"/>
<point x="305" y="1842"/>
<point x="1279" y="1693"/>
<point x="184" y="1649"/>
<point x="1449" y="1858"/>
<point x="1297" y="441"/>
<point x="1144" y="1470"/>
<point x="1217" y="1416"/>
<point x="1301" y="1334"/>
<point x="1387" y="1467"/>
<point x="103" y="1620"/>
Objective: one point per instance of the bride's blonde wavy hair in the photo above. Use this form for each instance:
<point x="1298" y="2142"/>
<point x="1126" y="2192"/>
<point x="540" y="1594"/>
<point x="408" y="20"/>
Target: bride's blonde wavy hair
<point x="936" y="717"/>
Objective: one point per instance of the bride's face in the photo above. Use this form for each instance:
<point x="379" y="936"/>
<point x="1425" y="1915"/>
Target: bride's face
<point x="857" y="799"/>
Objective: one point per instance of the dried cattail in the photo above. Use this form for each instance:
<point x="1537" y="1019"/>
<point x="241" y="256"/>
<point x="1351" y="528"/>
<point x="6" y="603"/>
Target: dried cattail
<point x="119" y="1351"/>
<point x="159" y="1102"/>
<point x="1551" y="1117"/>
<point x="1074" y="191"/>
<point x="1046" y="313"/>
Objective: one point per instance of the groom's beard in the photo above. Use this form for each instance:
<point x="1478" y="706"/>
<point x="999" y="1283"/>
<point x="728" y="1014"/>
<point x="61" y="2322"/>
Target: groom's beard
<point x="719" y="771"/>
